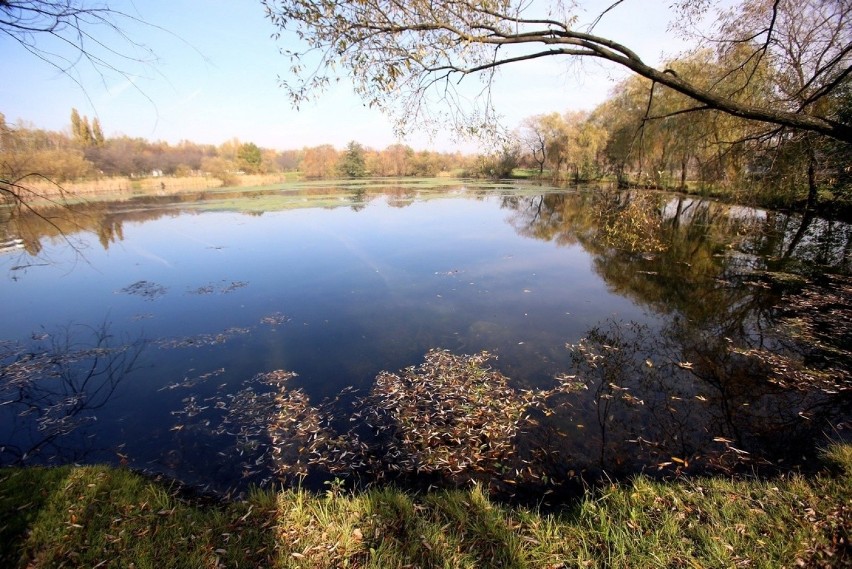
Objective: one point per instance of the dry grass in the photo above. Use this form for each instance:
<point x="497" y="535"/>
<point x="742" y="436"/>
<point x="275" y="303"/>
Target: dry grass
<point x="116" y="188"/>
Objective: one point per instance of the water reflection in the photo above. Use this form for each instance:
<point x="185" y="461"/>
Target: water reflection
<point x="740" y="360"/>
<point x="53" y="389"/>
<point x="689" y="400"/>
<point x="745" y="374"/>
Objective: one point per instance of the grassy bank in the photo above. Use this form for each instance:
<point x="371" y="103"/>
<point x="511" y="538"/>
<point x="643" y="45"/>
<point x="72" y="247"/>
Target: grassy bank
<point x="40" y="191"/>
<point x="104" y="517"/>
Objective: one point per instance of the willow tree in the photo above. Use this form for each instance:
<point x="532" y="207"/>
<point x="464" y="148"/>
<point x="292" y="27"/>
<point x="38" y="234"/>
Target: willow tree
<point x="402" y="56"/>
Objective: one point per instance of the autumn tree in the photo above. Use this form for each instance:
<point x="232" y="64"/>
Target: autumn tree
<point x="584" y="141"/>
<point x="555" y="132"/>
<point x="319" y="162"/>
<point x="395" y="160"/>
<point x="401" y="55"/>
<point x="501" y="163"/>
<point x="80" y="129"/>
<point x="288" y="159"/>
<point x="26" y="151"/>
<point x="804" y="49"/>
<point x="97" y="133"/>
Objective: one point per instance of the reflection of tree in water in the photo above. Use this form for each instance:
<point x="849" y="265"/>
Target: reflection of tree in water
<point x="400" y="197"/>
<point x="687" y="235"/>
<point x="746" y="371"/>
<point x="106" y="219"/>
<point x="721" y="267"/>
<point x="746" y="376"/>
<point x="51" y="392"/>
<point x="688" y="398"/>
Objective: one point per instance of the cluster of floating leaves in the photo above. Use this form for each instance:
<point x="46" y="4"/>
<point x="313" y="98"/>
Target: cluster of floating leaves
<point x="790" y="372"/>
<point x="451" y="416"/>
<point x="820" y="317"/>
<point x="281" y="424"/>
<point x="221" y="288"/>
<point x="275" y="319"/>
<point x="145" y="289"/>
<point x="153" y="291"/>
<point x="202" y="340"/>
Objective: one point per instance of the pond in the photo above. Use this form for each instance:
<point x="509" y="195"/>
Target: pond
<point x="429" y="333"/>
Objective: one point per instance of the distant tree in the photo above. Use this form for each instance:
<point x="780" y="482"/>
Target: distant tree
<point x="396" y="160"/>
<point x="555" y="132"/>
<point x="220" y="168"/>
<point x="352" y="164"/>
<point x="288" y="159"/>
<point x="319" y="162"/>
<point x="86" y="137"/>
<point x="532" y="137"/>
<point x="97" y="133"/>
<point x="5" y="133"/>
<point x="427" y="164"/>
<point x="229" y="149"/>
<point x="501" y="164"/>
<point x="249" y="157"/>
<point x="80" y="128"/>
<point x="76" y="124"/>
<point x="585" y="141"/>
<point x="30" y="152"/>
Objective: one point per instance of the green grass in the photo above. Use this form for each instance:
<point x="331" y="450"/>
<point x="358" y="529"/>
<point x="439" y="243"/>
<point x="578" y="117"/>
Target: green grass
<point x="92" y="516"/>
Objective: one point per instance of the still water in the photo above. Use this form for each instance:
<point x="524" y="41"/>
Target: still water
<point x="132" y="330"/>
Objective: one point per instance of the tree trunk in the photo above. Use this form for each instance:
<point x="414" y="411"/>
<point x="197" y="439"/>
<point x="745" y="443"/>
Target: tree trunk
<point x="812" y="185"/>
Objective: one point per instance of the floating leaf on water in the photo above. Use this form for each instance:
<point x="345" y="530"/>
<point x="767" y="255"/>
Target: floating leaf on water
<point x="275" y="319"/>
<point x="202" y="339"/>
<point x="222" y="287"/>
<point x="207" y="289"/>
<point x="193" y="381"/>
<point x="145" y="289"/>
<point x="234" y="286"/>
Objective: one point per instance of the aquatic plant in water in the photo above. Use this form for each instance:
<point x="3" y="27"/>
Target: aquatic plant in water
<point x="451" y="416"/>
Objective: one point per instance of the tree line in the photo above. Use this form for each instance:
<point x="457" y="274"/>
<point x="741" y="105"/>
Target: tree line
<point x="85" y="153"/>
<point x="762" y="95"/>
<point x="643" y="137"/>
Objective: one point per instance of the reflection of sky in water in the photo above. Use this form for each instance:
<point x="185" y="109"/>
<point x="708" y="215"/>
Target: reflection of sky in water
<point x="338" y="295"/>
<point x="365" y="291"/>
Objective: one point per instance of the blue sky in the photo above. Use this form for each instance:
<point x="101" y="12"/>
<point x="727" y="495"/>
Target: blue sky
<point x="216" y="78"/>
